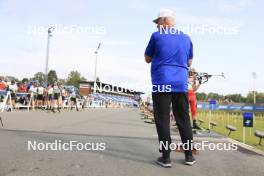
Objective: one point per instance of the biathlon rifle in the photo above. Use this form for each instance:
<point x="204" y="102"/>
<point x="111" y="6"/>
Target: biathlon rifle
<point x="204" y="77"/>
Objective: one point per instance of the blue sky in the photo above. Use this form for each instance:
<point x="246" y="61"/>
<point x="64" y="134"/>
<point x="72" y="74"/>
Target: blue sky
<point x="127" y="27"/>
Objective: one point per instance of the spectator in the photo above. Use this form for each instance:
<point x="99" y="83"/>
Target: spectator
<point x="3" y="85"/>
<point x="50" y="96"/>
<point x="23" y="87"/>
<point x="170" y="53"/>
<point x="73" y="99"/>
<point x="40" y="96"/>
<point x="56" y="96"/>
<point x="13" y="90"/>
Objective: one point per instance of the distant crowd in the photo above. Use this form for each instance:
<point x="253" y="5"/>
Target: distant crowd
<point x="50" y="97"/>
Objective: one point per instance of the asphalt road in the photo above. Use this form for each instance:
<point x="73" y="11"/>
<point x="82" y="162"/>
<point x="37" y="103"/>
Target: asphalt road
<point x="131" y="147"/>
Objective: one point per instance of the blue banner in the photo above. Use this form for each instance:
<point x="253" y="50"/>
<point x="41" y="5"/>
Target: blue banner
<point x="208" y="106"/>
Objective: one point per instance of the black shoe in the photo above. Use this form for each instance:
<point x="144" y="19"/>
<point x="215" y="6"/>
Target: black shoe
<point x="164" y="162"/>
<point x="195" y="131"/>
<point x="53" y="110"/>
<point x="189" y="160"/>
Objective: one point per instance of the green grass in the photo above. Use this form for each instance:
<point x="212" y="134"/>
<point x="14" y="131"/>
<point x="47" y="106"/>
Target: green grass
<point x="222" y="118"/>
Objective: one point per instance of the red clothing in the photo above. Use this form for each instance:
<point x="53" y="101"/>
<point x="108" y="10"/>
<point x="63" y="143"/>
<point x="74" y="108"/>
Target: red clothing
<point x="22" y="88"/>
<point x="193" y="102"/>
<point x="2" y="86"/>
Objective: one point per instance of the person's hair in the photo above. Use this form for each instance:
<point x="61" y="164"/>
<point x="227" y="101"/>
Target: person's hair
<point x="162" y="19"/>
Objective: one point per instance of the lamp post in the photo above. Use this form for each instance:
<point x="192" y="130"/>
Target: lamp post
<point x="50" y="30"/>
<point x="95" y="69"/>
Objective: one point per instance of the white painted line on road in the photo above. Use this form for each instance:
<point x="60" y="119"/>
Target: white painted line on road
<point x="247" y="147"/>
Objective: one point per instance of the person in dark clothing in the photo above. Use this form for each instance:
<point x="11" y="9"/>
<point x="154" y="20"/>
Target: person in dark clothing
<point x="170" y="53"/>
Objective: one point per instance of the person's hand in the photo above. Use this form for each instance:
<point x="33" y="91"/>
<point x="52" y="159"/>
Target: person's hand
<point x="200" y="81"/>
<point x="148" y="59"/>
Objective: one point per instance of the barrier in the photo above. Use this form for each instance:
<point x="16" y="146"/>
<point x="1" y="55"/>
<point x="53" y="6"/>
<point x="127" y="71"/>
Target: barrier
<point x="114" y="100"/>
<point x="27" y="97"/>
<point x="81" y="103"/>
<point x="26" y="100"/>
<point x="7" y="101"/>
<point x="7" y="96"/>
<point x="206" y="106"/>
<point x="96" y="104"/>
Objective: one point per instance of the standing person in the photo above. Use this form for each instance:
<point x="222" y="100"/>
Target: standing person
<point x="45" y="97"/>
<point x="40" y="96"/>
<point x="49" y="96"/>
<point x="3" y="85"/>
<point x="64" y="96"/>
<point x="73" y="98"/>
<point x="35" y="93"/>
<point x="193" y="86"/>
<point x="33" y="90"/>
<point x="170" y="53"/>
<point x="61" y="98"/>
<point x="28" y="86"/>
<point x="23" y="87"/>
<point x="56" y="96"/>
<point x="13" y="90"/>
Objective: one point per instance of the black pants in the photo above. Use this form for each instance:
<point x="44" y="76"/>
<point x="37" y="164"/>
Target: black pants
<point x="162" y="102"/>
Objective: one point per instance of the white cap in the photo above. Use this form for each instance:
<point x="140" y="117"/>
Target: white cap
<point x="165" y="13"/>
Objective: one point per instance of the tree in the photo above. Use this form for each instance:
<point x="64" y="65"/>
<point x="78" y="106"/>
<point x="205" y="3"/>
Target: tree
<point x="214" y="96"/>
<point x="259" y="97"/>
<point x="52" y="77"/>
<point x="12" y="78"/>
<point x="234" y="97"/>
<point x="74" y="78"/>
<point x="201" y="96"/>
<point x="62" y="81"/>
<point x="39" y="77"/>
<point x="24" y="80"/>
<point x="250" y="97"/>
